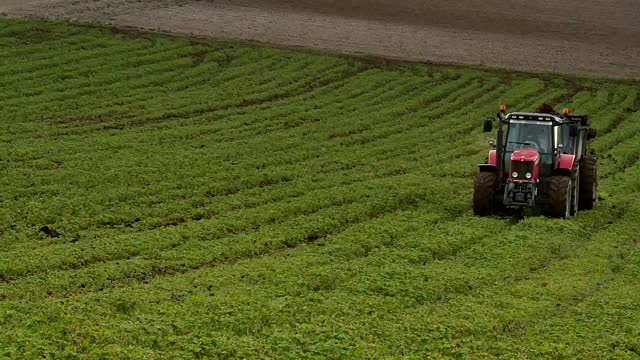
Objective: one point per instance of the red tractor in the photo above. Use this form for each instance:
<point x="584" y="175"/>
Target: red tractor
<point x="542" y="162"/>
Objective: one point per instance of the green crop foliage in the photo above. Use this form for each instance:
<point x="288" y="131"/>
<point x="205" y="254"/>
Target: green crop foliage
<point x="221" y="200"/>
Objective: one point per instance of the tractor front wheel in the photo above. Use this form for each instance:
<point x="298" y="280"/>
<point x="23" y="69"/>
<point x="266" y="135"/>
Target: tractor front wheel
<point x="560" y="197"/>
<point x="588" y="182"/>
<point x="484" y="193"/>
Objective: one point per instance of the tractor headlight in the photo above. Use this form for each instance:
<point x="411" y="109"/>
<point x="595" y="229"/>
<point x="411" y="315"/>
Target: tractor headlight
<point x="515" y="174"/>
<point x="528" y="175"/>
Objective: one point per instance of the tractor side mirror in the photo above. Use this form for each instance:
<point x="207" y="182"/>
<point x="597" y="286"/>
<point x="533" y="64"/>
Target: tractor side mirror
<point x="488" y="125"/>
<point x="573" y="130"/>
<point x="591" y="133"/>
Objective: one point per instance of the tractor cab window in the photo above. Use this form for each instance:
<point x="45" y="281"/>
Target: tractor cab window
<point x="533" y="135"/>
<point x="568" y="142"/>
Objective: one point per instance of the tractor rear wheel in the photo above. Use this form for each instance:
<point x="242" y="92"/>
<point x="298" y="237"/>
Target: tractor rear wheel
<point x="560" y="197"/>
<point x="575" y="190"/>
<point x="588" y="182"/>
<point x="484" y="193"/>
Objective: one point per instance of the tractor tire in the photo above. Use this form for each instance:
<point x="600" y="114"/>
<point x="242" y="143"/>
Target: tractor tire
<point x="575" y="190"/>
<point x="560" y="197"/>
<point x="484" y="193"/>
<point x="588" y="182"/>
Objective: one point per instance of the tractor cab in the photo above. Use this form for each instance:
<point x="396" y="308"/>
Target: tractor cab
<point x="540" y="160"/>
<point x="526" y="137"/>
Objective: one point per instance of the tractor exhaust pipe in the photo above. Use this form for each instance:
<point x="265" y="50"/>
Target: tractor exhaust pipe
<point x="500" y="144"/>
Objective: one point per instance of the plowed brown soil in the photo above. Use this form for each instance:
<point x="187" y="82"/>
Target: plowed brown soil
<point x="589" y="37"/>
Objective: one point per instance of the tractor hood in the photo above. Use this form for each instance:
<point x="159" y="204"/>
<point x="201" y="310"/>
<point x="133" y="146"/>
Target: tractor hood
<point x="524" y="165"/>
<point x="526" y="154"/>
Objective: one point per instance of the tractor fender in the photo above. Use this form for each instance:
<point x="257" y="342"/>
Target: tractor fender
<point x="490" y="166"/>
<point x="491" y="160"/>
<point x="564" y="165"/>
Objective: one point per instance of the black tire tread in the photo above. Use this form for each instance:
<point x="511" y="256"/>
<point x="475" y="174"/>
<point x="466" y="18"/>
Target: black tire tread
<point x="558" y="196"/>
<point x="483" y="193"/>
<point x="575" y="189"/>
<point x="588" y="178"/>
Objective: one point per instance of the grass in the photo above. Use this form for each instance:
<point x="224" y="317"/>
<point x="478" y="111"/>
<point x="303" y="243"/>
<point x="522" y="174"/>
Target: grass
<point x="218" y="200"/>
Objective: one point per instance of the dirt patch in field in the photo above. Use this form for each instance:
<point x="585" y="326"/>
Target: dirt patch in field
<point x="591" y="37"/>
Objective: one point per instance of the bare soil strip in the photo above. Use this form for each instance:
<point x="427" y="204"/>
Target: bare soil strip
<point x="593" y="37"/>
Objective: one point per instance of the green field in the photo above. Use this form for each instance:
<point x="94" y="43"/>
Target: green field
<point x="221" y="200"/>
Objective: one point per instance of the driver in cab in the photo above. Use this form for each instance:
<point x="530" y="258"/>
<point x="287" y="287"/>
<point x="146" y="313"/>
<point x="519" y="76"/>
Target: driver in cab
<point x="537" y="141"/>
